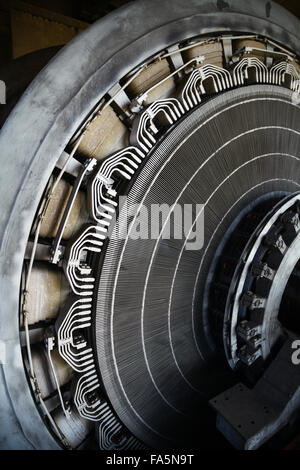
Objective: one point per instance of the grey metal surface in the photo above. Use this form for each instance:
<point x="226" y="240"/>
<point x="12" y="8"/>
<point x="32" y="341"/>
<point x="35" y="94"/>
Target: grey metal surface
<point x="50" y="111"/>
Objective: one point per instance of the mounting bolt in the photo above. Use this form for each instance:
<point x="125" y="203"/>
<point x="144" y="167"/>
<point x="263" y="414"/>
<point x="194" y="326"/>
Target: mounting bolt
<point x="252" y="301"/>
<point x="247" y="330"/>
<point x="274" y="240"/>
<point x="260" y="269"/>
